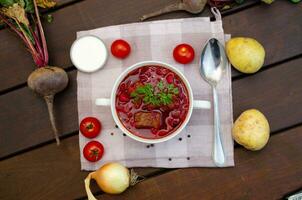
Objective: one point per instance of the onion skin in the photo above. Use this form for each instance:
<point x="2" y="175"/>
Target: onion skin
<point x="47" y="81"/>
<point x="112" y="178"/>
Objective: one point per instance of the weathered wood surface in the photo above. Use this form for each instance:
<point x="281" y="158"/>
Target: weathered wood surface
<point x="268" y="174"/>
<point x="66" y="102"/>
<point x="41" y="170"/>
<point x="48" y="172"/>
<point x="257" y="22"/>
<point x="65" y="159"/>
<point x="274" y="91"/>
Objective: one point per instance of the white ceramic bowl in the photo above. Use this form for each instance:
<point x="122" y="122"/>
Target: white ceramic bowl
<point x="111" y="102"/>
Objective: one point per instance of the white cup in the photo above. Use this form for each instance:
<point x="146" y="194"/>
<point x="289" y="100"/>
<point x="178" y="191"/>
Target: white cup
<point x="197" y="104"/>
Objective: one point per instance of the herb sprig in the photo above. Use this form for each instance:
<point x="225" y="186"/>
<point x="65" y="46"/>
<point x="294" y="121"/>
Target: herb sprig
<point x="161" y="94"/>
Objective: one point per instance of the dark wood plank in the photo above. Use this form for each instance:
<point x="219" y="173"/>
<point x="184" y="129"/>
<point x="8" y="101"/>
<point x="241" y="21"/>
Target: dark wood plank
<point x="65" y="2"/>
<point x="69" y="146"/>
<point x="278" y="84"/>
<point x="29" y="111"/>
<point x="275" y="92"/>
<point x="62" y="32"/>
<point x="89" y="14"/>
<point x="66" y="157"/>
<point x="268" y="174"/>
<point x="275" y="26"/>
<point x="75" y="142"/>
<point x="53" y="172"/>
<point x="49" y="172"/>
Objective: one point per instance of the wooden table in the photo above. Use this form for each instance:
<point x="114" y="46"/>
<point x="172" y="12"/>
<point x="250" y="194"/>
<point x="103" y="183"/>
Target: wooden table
<point x="33" y="167"/>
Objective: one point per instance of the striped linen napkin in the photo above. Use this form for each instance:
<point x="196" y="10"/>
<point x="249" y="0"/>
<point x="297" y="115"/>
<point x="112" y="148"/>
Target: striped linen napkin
<point x="155" y="41"/>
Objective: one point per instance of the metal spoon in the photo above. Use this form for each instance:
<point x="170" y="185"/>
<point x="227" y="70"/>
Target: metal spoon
<point x="213" y="62"/>
<point x="191" y="6"/>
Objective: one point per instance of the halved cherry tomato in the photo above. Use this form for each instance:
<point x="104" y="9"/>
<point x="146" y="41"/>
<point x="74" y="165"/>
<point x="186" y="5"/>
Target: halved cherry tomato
<point x="183" y="53"/>
<point x="120" y="48"/>
<point x="124" y="97"/>
<point x="161" y="71"/>
<point x="162" y="133"/>
<point x="170" y="78"/>
<point x="93" y="151"/>
<point x="90" y="127"/>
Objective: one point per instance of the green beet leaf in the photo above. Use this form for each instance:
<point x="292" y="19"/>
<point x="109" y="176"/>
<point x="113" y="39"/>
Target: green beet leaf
<point x="28" y="6"/>
<point x="7" y="3"/>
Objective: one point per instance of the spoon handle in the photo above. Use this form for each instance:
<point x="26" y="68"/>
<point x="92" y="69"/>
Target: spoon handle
<point x="218" y="153"/>
<point x="166" y="9"/>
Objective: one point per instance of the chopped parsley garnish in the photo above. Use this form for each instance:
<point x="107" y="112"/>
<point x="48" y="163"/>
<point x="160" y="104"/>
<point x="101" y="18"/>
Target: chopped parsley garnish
<point x="161" y="94"/>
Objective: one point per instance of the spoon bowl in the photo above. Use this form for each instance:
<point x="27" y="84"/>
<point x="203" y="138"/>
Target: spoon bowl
<point x="213" y="61"/>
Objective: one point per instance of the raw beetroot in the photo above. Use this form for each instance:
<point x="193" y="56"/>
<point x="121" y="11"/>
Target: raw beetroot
<point x="46" y="80"/>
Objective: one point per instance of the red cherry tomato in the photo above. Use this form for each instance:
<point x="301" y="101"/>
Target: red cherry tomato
<point x="170" y="78"/>
<point x="124" y="97"/>
<point x="183" y="53"/>
<point x="93" y="151"/>
<point x="90" y="127"/>
<point x="120" y="48"/>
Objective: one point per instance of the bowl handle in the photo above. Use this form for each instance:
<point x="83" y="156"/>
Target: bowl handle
<point x="103" y="102"/>
<point x="200" y="104"/>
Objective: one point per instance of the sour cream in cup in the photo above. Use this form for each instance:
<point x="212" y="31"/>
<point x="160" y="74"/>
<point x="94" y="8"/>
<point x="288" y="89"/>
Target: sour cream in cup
<point x="88" y="53"/>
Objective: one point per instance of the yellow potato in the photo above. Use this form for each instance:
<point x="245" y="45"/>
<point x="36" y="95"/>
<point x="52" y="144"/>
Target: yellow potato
<point x="251" y="130"/>
<point x="245" y="54"/>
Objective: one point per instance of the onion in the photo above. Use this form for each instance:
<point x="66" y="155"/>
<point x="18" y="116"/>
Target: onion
<point x="112" y="178"/>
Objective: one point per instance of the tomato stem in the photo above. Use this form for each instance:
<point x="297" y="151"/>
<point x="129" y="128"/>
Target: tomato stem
<point x="89" y="126"/>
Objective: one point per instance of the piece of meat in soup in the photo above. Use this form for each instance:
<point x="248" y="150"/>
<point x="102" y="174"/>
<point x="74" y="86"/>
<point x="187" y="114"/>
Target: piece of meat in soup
<point x="147" y="120"/>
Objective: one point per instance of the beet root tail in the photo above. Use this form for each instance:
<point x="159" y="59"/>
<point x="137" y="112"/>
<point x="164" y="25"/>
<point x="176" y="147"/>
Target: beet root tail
<point x="49" y="102"/>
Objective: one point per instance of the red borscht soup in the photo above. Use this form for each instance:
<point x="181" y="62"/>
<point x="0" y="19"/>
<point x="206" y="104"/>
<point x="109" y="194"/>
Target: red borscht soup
<point x="152" y="102"/>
